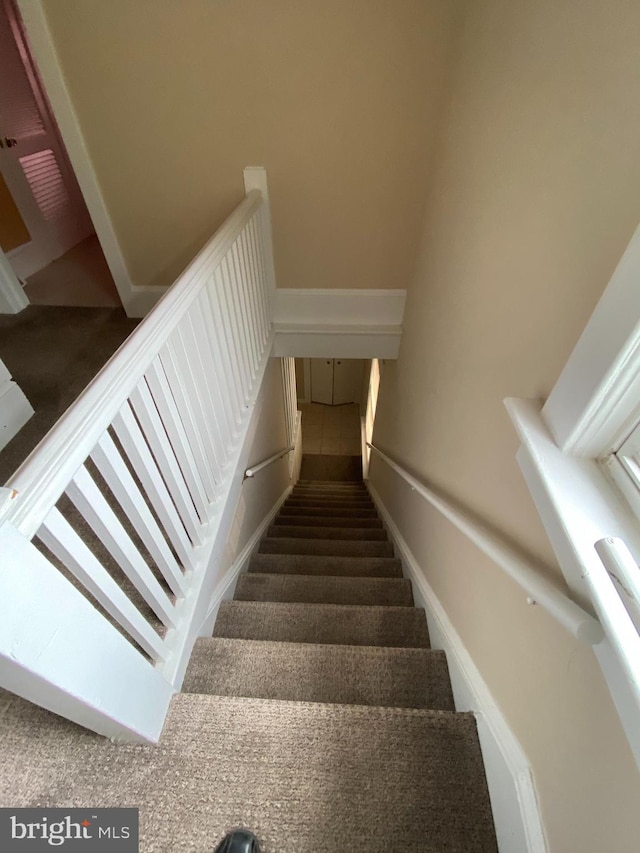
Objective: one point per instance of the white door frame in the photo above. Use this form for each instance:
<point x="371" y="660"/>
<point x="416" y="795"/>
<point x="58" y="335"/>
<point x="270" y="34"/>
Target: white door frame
<point x="137" y="301"/>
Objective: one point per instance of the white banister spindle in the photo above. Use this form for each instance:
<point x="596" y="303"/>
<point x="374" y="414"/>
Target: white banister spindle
<point x="252" y="290"/>
<point x="246" y="274"/>
<point x="258" y="279"/>
<point x="213" y="370"/>
<point x="148" y="457"/>
<point x="237" y="326"/>
<point x="119" y="479"/>
<point x="65" y="544"/>
<point x="195" y="387"/>
<point x="188" y="454"/>
<point x="93" y="506"/>
<point x="130" y="436"/>
<point x="204" y="383"/>
<point x="169" y="374"/>
<point x="154" y="432"/>
<point x="223" y="351"/>
<point x="245" y="303"/>
<point x="261" y="276"/>
<point x="222" y="308"/>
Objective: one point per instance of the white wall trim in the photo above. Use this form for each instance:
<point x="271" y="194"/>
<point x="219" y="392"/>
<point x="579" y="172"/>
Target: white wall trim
<point x="12" y="296"/>
<point x="514" y="801"/>
<point x="46" y="57"/>
<point x="339" y="307"/>
<point x="308" y="341"/>
<point x="594" y="403"/>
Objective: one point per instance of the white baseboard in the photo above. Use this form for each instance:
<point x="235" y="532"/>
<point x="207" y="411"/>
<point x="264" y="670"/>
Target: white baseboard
<point x="227" y="584"/>
<point x="512" y="791"/>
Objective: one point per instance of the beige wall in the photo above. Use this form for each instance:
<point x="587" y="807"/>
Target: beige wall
<point x="260" y="493"/>
<point x="536" y="192"/>
<point x="337" y="100"/>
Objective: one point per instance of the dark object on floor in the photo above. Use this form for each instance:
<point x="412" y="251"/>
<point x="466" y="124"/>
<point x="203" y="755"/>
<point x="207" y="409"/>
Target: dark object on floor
<point x="325" y="467"/>
<point x="239" y="841"/>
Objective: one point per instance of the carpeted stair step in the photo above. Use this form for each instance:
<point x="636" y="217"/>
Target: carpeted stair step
<point x="331" y="501"/>
<point x="306" y="672"/>
<point x="321" y="521"/>
<point x="314" y="564"/>
<point x="345" y="469"/>
<point x="279" y="531"/>
<point x="345" y="494"/>
<point x="326" y="547"/>
<point x="306" y="777"/>
<point x="312" y="506"/>
<point x="329" y="511"/>
<point x="336" y="485"/>
<point x="341" y="624"/>
<point x="321" y="589"/>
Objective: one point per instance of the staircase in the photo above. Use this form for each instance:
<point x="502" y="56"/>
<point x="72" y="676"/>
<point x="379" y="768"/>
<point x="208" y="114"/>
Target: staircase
<point x="316" y="715"/>
<point x="347" y="737"/>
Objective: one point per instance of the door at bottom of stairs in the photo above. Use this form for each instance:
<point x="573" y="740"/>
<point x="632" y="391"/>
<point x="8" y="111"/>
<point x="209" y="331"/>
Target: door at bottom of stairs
<point x="336" y="381"/>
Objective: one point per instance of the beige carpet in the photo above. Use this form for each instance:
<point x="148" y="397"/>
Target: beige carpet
<point x="323" y="589"/>
<point x="80" y="278"/>
<point x="53" y="354"/>
<point x="309" y="672"/>
<point x="327" y="467"/>
<point x="308" y="778"/>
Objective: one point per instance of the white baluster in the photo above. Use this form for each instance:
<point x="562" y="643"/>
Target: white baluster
<point x="154" y="432"/>
<point x="197" y="404"/>
<point x="117" y="476"/>
<point x="240" y="283"/>
<point x="236" y="323"/>
<point x="221" y="308"/>
<point x="93" y="506"/>
<point x="260" y="275"/>
<point x="206" y="377"/>
<point x="132" y="440"/>
<point x="222" y="356"/>
<point x="65" y="544"/>
<point x="184" y="442"/>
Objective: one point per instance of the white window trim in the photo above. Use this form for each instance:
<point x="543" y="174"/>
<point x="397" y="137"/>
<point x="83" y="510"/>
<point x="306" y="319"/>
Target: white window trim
<point x="595" y="402"/>
<point x="589" y="413"/>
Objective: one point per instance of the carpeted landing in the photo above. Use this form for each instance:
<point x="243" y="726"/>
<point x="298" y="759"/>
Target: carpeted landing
<point x="316" y="714"/>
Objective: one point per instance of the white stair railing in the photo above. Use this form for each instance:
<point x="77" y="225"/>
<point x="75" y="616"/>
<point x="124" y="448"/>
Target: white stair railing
<point x="522" y="570"/>
<point x="122" y="501"/>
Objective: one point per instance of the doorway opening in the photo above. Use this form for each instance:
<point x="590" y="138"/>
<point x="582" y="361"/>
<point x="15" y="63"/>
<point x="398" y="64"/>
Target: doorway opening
<point x="46" y="232"/>
<point x="331" y="397"/>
